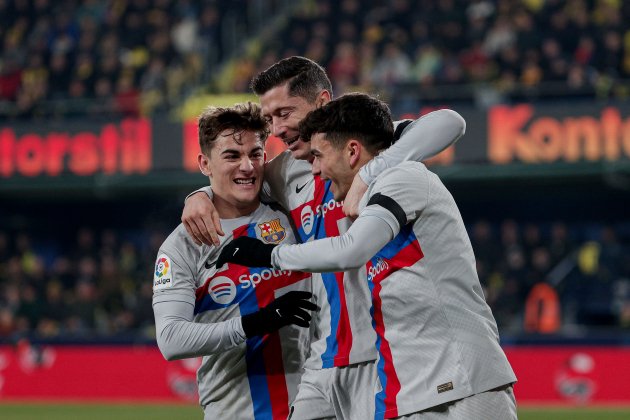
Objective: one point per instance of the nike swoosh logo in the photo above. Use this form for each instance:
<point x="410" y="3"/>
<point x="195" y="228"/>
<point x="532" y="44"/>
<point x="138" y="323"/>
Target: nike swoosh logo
<point x="299" y="189"/>
<point x="235" y="251"/>
<point x="209" y="264"/>
<point x="278" y="312"/>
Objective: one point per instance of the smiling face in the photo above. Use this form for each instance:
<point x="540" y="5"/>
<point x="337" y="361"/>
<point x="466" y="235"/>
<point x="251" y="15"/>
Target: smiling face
<point x="337" y="164"/>
<point x="235" y="168"/>
<point x="284" y="113"/>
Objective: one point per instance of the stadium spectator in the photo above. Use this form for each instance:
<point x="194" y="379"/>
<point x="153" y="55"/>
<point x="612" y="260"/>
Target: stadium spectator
<point x="344" y="67"/>
<point x="427" y="64"/>
<point x="391" y="67"/>
<point x="127" y="97"/>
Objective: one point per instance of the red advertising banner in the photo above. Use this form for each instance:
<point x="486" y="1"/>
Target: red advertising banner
<point x="501" y="136"/>
<point x="517" y="134"/>
<point x="123" y="147"/>
<point x="95" y="373"/>
<point x="546" y="375"/>
<point x="571" y="375"/>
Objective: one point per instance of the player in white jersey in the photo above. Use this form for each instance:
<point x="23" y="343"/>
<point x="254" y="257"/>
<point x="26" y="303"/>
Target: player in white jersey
<point x="438" y="343"/>
<point x="233" y="316"/>
<point x="342" y="334"/>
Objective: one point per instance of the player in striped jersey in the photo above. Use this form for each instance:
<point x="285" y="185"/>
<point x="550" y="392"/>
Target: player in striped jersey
<point x="233" y="316"/>
<point x="339" y="370"/>
<point x="438" y="343"/>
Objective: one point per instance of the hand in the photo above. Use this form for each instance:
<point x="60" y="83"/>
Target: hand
<point x="246" y="251"/>
<point x="354" y="196"/>
<point x="201" y="220"/>
<point x="400" y="128"/>
<point x="289" y="309"/>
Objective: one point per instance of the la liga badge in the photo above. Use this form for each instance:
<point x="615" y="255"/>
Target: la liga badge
<point x="163" y="275"/>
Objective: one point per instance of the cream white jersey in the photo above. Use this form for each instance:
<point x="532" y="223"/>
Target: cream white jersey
<point x="239" y="378"/>
<point x="437" y="338"/>
<point x="342" y="332"/>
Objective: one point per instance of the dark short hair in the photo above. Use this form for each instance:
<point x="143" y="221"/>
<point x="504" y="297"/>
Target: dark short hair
<point x="240" y="117"/>
<point x="354" y="115"/>
<point x="305" y="77"/>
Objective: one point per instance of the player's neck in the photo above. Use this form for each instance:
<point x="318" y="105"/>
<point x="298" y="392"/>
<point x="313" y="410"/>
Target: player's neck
<point x="229" y="210"/>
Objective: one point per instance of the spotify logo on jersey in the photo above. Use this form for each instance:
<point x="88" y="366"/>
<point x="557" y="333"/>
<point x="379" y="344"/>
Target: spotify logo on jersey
<point x="222" y="290"/>
<point x="306" y="217"/>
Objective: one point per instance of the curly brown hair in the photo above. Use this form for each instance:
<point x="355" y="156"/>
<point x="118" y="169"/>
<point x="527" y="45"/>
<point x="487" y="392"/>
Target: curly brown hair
<point x="240" y="117"/>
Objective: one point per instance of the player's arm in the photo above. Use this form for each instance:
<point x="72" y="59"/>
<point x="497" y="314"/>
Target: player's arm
<point x="178" y="337"/>
<point x="396" y="199"/>
<point x="201" y="219"/>
<point x="367" y="235"/>
<point x="379" y="222"/>
<point x="419" y="140"/>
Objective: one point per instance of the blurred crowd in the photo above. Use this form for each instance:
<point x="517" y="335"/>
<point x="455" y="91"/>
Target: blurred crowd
<point x="118" y="56"/>
<point x="98" y="285"/>
<point x="547" y="278"/>
<point x="137" y="56"/>
<point x="558" y="47"/>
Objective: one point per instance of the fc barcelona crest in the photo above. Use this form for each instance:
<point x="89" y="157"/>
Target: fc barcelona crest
<point x="272" y="232"/>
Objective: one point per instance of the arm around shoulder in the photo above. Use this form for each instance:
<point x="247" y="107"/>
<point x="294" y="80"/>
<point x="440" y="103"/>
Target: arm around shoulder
<point x="201" y="219"/>
<point x="367" y="235"/>
<point x="420" y="140"/>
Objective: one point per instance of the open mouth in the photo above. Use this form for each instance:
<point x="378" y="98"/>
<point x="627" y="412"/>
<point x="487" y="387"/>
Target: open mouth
<point x="245" y="181"/>
<point x="291" y="140"/>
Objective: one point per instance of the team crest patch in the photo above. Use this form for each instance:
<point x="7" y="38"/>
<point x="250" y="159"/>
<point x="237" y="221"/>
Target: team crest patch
<point x="272" y="232"/>
<point x="163" y="275"/>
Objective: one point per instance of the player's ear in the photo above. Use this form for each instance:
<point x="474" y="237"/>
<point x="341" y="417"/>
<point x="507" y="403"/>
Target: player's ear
<point x="353" y="149"/>
<point x="204" y="164"/>
<point x="323" y="98"/>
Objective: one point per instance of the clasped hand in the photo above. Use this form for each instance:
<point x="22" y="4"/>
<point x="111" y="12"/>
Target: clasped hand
<point x="246" y="251"/>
